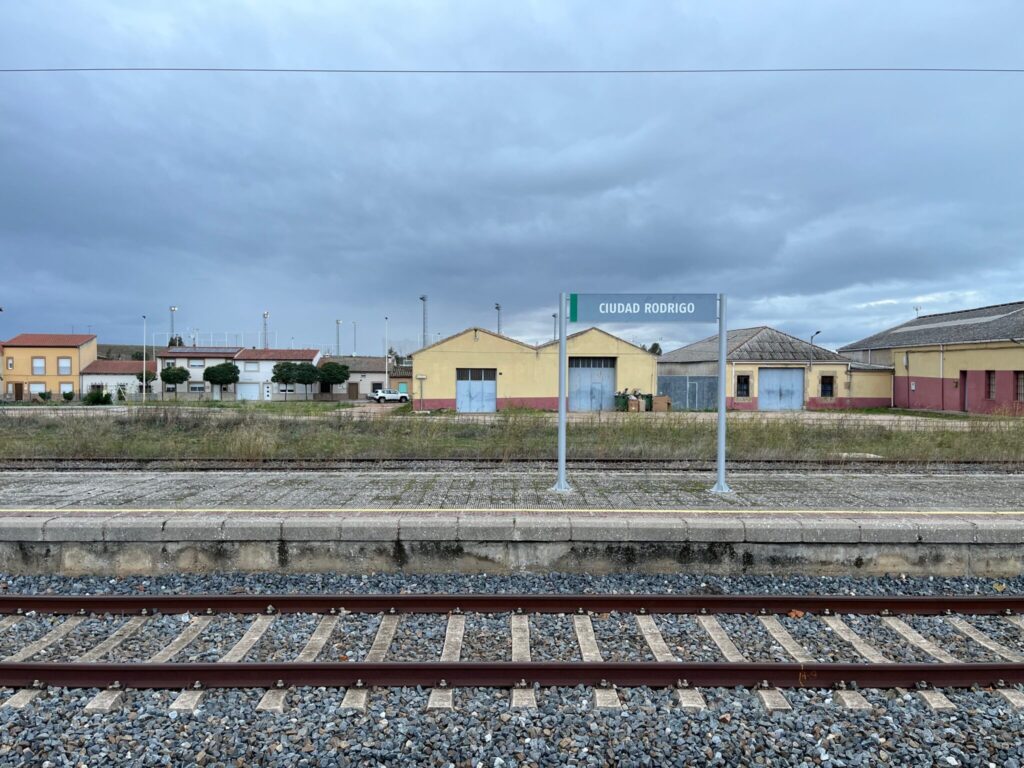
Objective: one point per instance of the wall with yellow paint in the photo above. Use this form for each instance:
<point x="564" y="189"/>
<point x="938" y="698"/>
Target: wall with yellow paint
<point x="17" y="368"/>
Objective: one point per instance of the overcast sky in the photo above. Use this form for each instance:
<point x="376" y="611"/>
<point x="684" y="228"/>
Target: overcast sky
<point x="836" y="202"/>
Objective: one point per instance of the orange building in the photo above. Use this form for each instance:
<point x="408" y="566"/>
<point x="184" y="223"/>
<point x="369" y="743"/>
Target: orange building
<point x="35" y="363"/>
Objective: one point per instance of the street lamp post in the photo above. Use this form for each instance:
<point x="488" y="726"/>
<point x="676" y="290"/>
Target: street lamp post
<point x="497" y="307"/>
<point x="170" y="340"/>
<point x="353" y="338"/>
<point x="387" y="356"/>
<point x="337" y="338"/>
<point x="554" y="325"/>
<point x="813" y="335"/>
<point x="423" y="298"/>
<point x="266" y="338"/>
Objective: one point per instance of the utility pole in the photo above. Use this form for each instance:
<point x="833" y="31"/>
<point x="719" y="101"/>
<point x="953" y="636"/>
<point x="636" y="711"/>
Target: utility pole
<point x="266" y="338"/>
<point x="170" y="339"/>
<point x="143" y="359"/>
<point x="337" y="338"/>
<point x="423" y="298"/>
<point x="498" y="308"/>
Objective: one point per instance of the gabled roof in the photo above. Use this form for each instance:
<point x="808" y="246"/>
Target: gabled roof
<point x="50" y="340"/>
<point x="356" y="363"/>
<point x="999" y="322"/>
<point x="753" y="344"/>
<point x="478" y="330"/>
<point x="588" y="330"/>
<point x="291" y="355"/>
<point x="226" y="352"/>
<point x="118" y="367"/>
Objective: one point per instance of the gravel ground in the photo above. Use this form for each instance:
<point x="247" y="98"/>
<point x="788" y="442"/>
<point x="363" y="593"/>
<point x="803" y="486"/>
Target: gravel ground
<point x="397" y="731"/>
<point x="155" y="635"/>
<point x="999" y="629"/>
<point x="818" y="640"/>
<point x="217" y="639"/>
<point x="86" y="636"/>
<point x="687" y="639"/>
<point x="886" y="641"/>
<point x="418" y="638"/>
<point x="552" y="638"/>
<point x="940" y="632"/>
<point x="752" y="639"/>
<point x="487" y="638"/>
<point x="619" y="638"/>
<point x="284" y="638"/>
<point x="26" y="631"/>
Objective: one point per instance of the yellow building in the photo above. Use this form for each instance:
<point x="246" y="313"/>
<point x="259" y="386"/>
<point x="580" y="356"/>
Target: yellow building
<point x="35" y="363"/>
<point x="971" y="360"/>
<point x="769" y="370"/>
<point x="478" y="371"/>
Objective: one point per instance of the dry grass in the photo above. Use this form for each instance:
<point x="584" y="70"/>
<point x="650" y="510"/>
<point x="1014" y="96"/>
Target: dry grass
<point x="253" y="435"/>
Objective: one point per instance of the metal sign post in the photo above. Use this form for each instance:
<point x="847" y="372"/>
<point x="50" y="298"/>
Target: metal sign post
<point x="562" y="485"/>
<point x="628" y="307"/>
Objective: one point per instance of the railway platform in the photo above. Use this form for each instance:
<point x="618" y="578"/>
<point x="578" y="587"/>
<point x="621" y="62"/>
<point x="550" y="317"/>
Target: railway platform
<point x="498" y="520"/>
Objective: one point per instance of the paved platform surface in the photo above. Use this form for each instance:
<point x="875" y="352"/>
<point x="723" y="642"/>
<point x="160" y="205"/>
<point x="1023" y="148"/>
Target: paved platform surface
<point x="488" y="489"/>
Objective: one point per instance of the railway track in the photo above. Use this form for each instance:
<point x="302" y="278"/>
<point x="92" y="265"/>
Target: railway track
<point x="518" y="642"/>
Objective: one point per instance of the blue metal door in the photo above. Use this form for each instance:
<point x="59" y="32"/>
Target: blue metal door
<point x="476" y="390"/>
<point x="591" y="383"/>
<point x="780" y="389"/>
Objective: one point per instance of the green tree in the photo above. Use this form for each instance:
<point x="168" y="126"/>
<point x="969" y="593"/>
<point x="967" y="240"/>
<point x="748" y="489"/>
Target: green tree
<point x="97" y="397"/>
<point x="137" y="355"/>
<point x="655" y="349"/>
<point x="334" y="373"/>
<point x="285" y="373"/>
<point x="307" y="374"/>
<point x="176" y="376"/>
<point x="221" y="375"/>
<point x="175" y="341"/>
<point x="150" y="377"/>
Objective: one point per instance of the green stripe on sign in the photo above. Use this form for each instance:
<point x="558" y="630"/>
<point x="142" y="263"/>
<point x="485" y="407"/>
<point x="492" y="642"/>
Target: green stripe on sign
<point x="572" y="307"/>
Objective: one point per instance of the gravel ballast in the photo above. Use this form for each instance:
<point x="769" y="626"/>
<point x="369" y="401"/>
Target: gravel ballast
<point x="397" y="730"/>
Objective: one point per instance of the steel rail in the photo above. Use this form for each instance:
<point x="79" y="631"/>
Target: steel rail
<point x="507" y="674"/>
<point x="511" y="603"/>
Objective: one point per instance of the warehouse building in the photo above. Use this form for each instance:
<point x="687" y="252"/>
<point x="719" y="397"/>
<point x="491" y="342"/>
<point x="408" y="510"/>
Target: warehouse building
<point x="971" y="360"/>
<point x="769" y="370"/>
<point x="479" y="371"/>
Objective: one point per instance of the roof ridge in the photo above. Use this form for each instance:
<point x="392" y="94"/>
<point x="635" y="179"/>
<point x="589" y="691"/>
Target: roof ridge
<point x="972" y="309"/>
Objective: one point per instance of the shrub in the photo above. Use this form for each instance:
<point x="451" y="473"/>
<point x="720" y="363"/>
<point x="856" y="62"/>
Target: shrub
<point x="97" y="397"/>
<point x="46" y="396"/>
<point x="68" y="396"/>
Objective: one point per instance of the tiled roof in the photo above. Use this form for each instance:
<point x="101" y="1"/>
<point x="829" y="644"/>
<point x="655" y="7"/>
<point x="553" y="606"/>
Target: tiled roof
<point x="50" y="340"/>
<point x="357" y="363"/>
<point x="1000" y="322"/>
<point x="228" y="352"/>
<point x="118" y="367"/>
<point x="305" y="355"/>
<point x="753" y="344"/>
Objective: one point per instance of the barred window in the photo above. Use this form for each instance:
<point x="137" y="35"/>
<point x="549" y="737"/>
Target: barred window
<point x="591" y="362"/>
<point x="1019" y="376"/>
<point x="990" y="385"/>
<point x="476" y="374"/>
<point x="743" y="386"/>
<point x="828" y="386"/>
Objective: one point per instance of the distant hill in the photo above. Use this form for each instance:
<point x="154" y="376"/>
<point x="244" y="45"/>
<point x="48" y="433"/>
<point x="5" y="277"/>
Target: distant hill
<point x="120" y="351"/>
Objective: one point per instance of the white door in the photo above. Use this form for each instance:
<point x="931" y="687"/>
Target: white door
<point x="268" y="392"/>
<point x="248" y="391"/>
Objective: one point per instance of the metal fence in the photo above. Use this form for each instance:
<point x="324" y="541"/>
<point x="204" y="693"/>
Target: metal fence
<point x="690" y="393"/>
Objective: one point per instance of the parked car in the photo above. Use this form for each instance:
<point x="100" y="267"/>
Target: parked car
<point x="388" y="396"/>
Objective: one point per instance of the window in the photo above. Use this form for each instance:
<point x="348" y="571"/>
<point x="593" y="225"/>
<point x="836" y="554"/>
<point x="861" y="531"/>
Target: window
<point x="196" y="387"/>
<point x="1019" y="380"/>
<point x="591" y="362"/>
<point x="990" y="385"/>
<point x="64" y="366"/>
<point x="376" y="386"/>
<point x="66" y="386"/>
<point x="36" y="388"/>
<point x="828" y="386"/>
<point x="252" y="366"/>
<point x="289" y="388"/>
<point x="195" y="362"/>
<point x="168" y="363"/>
<point x="167" y="387"/>
<point x="95" y="387"/>
<point x="477" y="374"/>
<point x="38" y="366"/>
<point x="10" y="363"/>
<point x="743" y="386"/>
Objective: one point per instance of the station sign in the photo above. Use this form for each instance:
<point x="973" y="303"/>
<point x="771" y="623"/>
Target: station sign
<point x="651" y="307"/>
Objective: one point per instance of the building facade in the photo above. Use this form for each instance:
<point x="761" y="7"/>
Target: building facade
<point x="37" y="363"/>
<point x="195" y="360"/>
<point x="971" y="360"/>
<point x="119" y="378"/>
<point x="256" y="371"/>
<point x="366" y="376"/>
<point x="478" y="371"/>
<point x="769" y="370"/>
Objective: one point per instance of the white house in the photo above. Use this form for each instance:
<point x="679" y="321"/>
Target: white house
<point x="195" y="360"/>
<point x="256" y="368"/>
<point x="366" y="375"/>
<point x="115" y="376"/>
